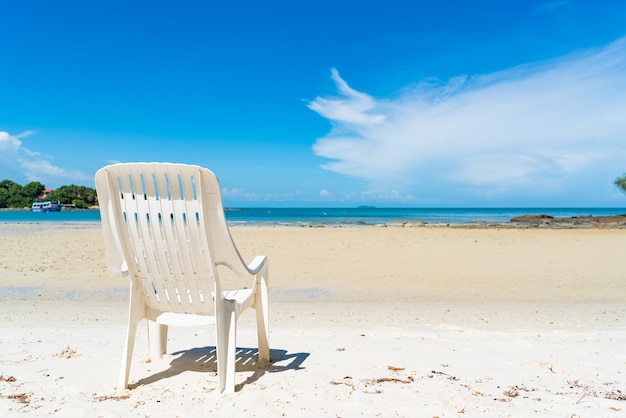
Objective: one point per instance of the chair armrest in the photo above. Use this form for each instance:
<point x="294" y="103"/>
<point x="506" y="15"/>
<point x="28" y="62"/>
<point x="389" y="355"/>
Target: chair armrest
<point x="257" y="264"/>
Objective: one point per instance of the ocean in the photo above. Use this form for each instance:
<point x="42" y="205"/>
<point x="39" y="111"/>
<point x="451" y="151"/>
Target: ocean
<point x="333" y="216"/>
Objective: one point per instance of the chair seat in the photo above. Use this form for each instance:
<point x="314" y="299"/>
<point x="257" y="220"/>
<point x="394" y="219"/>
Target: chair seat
<point x="238" y="295"/>
<point x="184" y="320"/>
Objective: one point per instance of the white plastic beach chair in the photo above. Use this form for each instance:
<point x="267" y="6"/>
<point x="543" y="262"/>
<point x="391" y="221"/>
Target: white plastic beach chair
<point x="164" y="226"/>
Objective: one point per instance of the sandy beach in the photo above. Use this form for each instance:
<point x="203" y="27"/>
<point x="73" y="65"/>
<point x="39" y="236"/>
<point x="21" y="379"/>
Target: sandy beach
<point x="365" y="321"/>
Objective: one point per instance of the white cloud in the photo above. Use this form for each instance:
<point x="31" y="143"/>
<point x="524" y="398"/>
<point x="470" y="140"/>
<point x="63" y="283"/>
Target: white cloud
<point x="237" y="192"/>
<point x="18" y="160"/>
<point x="392" y="194"/>
<point x="352" y="109"/>
<point x="325" y="193"/>
<point x="549" y="120"/>
<point x="8" y="145"/>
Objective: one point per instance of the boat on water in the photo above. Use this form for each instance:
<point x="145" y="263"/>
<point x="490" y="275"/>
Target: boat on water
<point x="46" y="206"/>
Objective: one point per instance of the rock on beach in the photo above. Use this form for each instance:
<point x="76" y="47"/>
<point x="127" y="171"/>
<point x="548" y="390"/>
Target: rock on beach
<point x="547" y="221"/>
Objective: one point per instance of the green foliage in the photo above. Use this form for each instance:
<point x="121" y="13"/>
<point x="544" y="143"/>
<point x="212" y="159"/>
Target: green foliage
<point x="80" y="204"/>
<point x="13" y="195"/>
<point x="4" y="196"/>
<point x="34" y="189"/>
<point x="620" y="182"/>
<point x="72" y="193"/>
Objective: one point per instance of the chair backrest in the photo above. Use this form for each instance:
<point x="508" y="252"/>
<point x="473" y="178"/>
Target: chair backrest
<point x="166" y="223"/>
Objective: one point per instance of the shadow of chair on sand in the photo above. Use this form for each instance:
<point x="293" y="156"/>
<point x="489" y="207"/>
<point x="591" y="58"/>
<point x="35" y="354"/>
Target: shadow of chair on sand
<point x="204" y="359"/>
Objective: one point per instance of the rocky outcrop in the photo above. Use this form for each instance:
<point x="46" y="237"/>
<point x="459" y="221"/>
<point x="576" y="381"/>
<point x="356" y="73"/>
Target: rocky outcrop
<point x="547" y="221"/>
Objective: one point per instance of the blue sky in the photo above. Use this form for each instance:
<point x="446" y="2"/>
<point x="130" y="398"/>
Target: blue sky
<point x="324" y="103"/>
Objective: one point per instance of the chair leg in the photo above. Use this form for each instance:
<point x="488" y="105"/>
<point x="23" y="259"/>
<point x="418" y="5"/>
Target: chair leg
<point x="128" y="354"/>
<point x="226" y="324"/>
<point x="136" y="312"/>
<point x="262" y="320"/>
<point x="157" y="340"/>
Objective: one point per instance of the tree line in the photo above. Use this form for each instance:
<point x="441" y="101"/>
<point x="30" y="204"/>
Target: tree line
<point x="14" y="195"/>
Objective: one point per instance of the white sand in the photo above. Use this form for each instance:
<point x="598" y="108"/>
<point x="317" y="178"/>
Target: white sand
<point x="364" y="322"/>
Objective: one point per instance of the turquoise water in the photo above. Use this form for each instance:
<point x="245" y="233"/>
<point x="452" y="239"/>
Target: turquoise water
<point x="333" y="216"/>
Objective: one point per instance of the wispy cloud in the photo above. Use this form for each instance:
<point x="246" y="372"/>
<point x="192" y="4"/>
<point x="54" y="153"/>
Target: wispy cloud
<point x="537" y="124"/>
<point x="353" y="108"/>
<point x="33" y="166"/>
<point x="8" y="145"/>
<point x="239" y="194"/>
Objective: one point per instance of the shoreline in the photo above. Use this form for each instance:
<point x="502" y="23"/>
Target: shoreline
<point x="581" y="218"/>
<point x="518" y="222"/>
